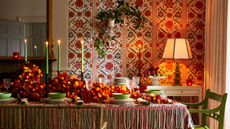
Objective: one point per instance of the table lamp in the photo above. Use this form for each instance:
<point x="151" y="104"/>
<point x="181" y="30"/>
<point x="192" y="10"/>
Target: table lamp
<point x="177" y="48"/>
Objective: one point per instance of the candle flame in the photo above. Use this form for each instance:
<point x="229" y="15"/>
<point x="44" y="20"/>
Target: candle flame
<point x="25" y="40"/>
<point x="59" y="41"/>
<point x="82" y="41"/>
<point x="35" y="47"/>
<point x="139" y="45"/>
<point x="47" y="43"/>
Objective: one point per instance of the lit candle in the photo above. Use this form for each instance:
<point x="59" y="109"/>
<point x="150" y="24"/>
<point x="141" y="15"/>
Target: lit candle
<point x="47" y="58"/>
<point x="59" y="55"/>
<point x="15" y="55"/>
<point x="35" y="47"/>
<point x="189" y="82"/>
<point x="25" y="49"/>
<point x="82" y="52"/>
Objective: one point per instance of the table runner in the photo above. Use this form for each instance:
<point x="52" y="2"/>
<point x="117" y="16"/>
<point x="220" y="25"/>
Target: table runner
<point x="132" y="116"/>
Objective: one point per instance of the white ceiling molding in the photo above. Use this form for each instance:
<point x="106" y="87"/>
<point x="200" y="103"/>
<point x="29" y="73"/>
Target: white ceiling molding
<point x="32" y="19"/>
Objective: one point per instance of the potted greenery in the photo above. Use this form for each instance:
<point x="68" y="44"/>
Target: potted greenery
<point x="121" y="13"/>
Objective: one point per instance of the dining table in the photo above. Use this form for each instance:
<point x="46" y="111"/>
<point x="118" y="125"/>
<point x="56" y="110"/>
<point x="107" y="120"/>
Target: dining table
<point x="37" y="115"/>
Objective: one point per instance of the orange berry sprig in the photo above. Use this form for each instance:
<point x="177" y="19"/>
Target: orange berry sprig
<point x="74" y="87"/>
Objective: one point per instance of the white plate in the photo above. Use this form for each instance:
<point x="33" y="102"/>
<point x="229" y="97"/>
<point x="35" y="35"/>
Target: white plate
<point x="67" y="99"/>
<point x="55" y="101"/>
<point x="121" y="101"/>
<point x="6" y="101"/>
<point x="58" y="101"/>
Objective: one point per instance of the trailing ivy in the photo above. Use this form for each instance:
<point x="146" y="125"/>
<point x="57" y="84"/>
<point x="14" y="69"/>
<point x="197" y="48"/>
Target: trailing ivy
<point x="123" y="10"/>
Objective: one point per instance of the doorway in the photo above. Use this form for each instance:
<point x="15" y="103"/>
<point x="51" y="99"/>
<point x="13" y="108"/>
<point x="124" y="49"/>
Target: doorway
<point x="35" y="33"/>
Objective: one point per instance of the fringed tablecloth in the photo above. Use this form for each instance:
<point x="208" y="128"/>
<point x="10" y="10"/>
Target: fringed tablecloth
<point x="155" y="116"/>
<point x="132" y="116"/>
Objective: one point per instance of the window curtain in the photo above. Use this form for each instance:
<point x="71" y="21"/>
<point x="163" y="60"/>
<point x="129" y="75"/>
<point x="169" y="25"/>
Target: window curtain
<point x="215" y="51"/>
<point x="227" y="112"/>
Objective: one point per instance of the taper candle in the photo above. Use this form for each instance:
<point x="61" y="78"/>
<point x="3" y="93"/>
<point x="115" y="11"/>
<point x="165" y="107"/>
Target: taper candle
<point x="47" y="59"/>
<point x="59" y="55"/>
<point x="36" y="54"/>
<point x="25" y="49"/>
<point x="82" y="52"/>
<point x="139" y="59"/>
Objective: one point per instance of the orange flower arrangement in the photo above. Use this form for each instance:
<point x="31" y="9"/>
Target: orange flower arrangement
<point x="74" y="87"/>
<point x="26" y="82"/>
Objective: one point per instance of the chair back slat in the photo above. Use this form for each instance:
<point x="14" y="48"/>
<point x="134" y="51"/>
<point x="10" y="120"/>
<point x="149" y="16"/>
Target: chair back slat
<point x="213" y="115"/>
<point x="214" y="96"/>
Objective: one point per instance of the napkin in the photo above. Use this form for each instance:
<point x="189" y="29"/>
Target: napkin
<point x="143" y="102"/>
<point x="78" y="101"/>
<point x="24" y="101"/>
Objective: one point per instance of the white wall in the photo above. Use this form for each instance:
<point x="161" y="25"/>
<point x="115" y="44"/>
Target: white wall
<point x="11" y="9"/>
<point x="60" y="31"/>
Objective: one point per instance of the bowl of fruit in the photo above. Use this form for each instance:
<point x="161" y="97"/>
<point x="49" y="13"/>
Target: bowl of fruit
<point x="57" y="95"/>
<point x="121" y="95"/>
<point x="155" y="74"/>
<point x="5" y="95"/>
<point x="155" y="92"/>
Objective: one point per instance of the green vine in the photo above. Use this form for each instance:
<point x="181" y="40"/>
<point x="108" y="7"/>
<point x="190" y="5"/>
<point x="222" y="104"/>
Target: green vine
<point x="123" y="10"/>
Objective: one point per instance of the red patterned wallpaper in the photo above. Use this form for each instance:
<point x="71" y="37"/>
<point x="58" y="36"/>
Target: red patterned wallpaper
<point x="165" y="19"/>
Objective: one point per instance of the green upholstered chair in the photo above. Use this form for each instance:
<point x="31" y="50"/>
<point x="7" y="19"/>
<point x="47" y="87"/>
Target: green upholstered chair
<point x="217" y="113"/>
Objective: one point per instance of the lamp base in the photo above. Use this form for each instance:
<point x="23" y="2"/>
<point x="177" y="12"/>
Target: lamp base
<point x="177" y="73"/>
<point x="177" y="84"/>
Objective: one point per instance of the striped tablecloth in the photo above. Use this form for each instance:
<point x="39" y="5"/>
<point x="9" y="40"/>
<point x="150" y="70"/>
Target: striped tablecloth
<point x="132" y="116"/>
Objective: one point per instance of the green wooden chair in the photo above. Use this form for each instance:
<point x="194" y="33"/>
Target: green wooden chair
<point x="217" y="113"/>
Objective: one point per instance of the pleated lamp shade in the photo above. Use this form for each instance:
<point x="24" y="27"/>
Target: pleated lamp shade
<point x="177" y="48"/>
